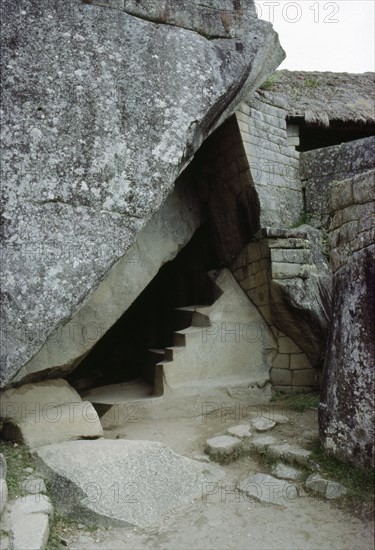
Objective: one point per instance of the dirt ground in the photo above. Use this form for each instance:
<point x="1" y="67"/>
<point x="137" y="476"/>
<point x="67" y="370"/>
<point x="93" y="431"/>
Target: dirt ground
<point x="226" y="519"/>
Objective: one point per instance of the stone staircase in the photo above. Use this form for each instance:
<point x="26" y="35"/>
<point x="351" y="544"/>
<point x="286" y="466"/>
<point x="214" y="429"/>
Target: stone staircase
<point x="224" y="344"/>
<point x="220" y="352"/>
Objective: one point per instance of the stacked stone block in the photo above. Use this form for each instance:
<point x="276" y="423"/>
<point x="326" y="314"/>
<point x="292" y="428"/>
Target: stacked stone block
<point x="274" y="163"/>
<point x="352" y="227"/>
<point x="292" y="131"/>
<point x="256" y="266"/>
<point x="320" y="167"/>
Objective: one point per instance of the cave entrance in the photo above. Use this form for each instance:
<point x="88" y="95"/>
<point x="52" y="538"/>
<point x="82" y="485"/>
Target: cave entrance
<point x="132" y="347"/>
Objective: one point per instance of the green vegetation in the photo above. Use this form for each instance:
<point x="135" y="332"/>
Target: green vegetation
<point x="268" y="84"/>
<point x="59" y="527"/>
<point x="18" y="458"/>
<point x="297" y="401"/>
<point x="311" y="83"/>
<point x="304" y="218"/>
<point x="358" y="481"/>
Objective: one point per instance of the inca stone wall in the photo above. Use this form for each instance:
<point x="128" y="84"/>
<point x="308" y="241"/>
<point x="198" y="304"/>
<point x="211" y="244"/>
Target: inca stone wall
<point x="255" y="269"/>
<point x="274" y="164"/>
<point x="320" y="167"/>
<point x="347" y="408"/>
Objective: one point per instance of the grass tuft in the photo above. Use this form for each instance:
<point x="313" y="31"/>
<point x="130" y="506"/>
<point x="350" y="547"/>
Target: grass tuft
<point x="297" y="401"/>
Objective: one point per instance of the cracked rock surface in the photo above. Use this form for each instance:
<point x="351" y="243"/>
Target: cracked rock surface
<point x="102" y="110"/>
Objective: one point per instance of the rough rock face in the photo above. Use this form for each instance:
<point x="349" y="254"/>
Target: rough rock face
<point x="103" y="108"/>
<point x="347" y="409"/>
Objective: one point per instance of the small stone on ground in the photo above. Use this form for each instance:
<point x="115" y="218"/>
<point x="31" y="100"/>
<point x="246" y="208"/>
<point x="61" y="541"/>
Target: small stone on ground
<point x="325" y="487"/>
<point x="222" y="446"/>
<point x="283" y="471"/>
<point x="265" y="488"/>
<point x="263" y="424"/>
<point x="202" y="458"/>
<point x="263" y="441"/>
<point x="290" y="453"/>
<point x="242" y="431"/>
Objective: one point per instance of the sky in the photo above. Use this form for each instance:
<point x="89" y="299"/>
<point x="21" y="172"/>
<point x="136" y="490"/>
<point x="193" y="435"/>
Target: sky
<point x="324" y="36"/>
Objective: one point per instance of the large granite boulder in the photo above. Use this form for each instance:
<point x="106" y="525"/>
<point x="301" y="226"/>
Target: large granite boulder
<point x="122" y="482"/>
<point x="104" y="104"/>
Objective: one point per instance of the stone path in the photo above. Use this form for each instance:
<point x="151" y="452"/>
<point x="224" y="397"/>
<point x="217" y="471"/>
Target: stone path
<point x="180" y="502"/>
<point x="25" y="520"/>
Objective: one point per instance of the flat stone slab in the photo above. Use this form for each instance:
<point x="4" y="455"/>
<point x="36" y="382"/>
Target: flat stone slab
<point x="265" y="488"/>
<point x="33" y="485"/>
<point x="290" y="453"/>
<point x="222" y="446"/>
<point x="242" y="431"/>
<point x="325" y="487"/>
<point x="283" y="471"/>
<point x="27" y="521"/>
<point x="263" y="424"/>
<point x="270" y="415"/>
<point x="3" y="494"/>
<point x="263" y="441"/>
<point x="3" y="466"/>
<point x="122" y="482"/>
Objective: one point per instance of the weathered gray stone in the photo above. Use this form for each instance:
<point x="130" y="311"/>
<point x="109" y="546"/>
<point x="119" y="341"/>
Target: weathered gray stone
<point x="3" y="494"/>
<point x="171" y="227"/>
<point x="47" y="412"/>
<point x="263" y="442"/>
<point x="284" y="471"/>
<point x="265" y="488"/>
<point x="223" y="447"/>
<point x="275" y="417"/>
<point x="290" y="453"/>
<point x="121" y="482"/>
<point x="346" y="412"/>
<point x="54" y="424"/>
<point x="3" y="467"/>
<point x="101" y="116"/>
<point x="263" y="424"/>
<point x="242" y="431"/>
<point x="27" y="521"/>
<point x="325" y="487"/>
<point x="5" y="542"/>
<point x="30" y="400"/>
<point x="338" y="161"/>
<point x="202" y="458"/>
<point x="33" y="486"/>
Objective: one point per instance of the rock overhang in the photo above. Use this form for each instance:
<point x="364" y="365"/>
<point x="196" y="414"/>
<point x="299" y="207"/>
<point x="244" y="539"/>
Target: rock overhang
<point x="102" y="111"/>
